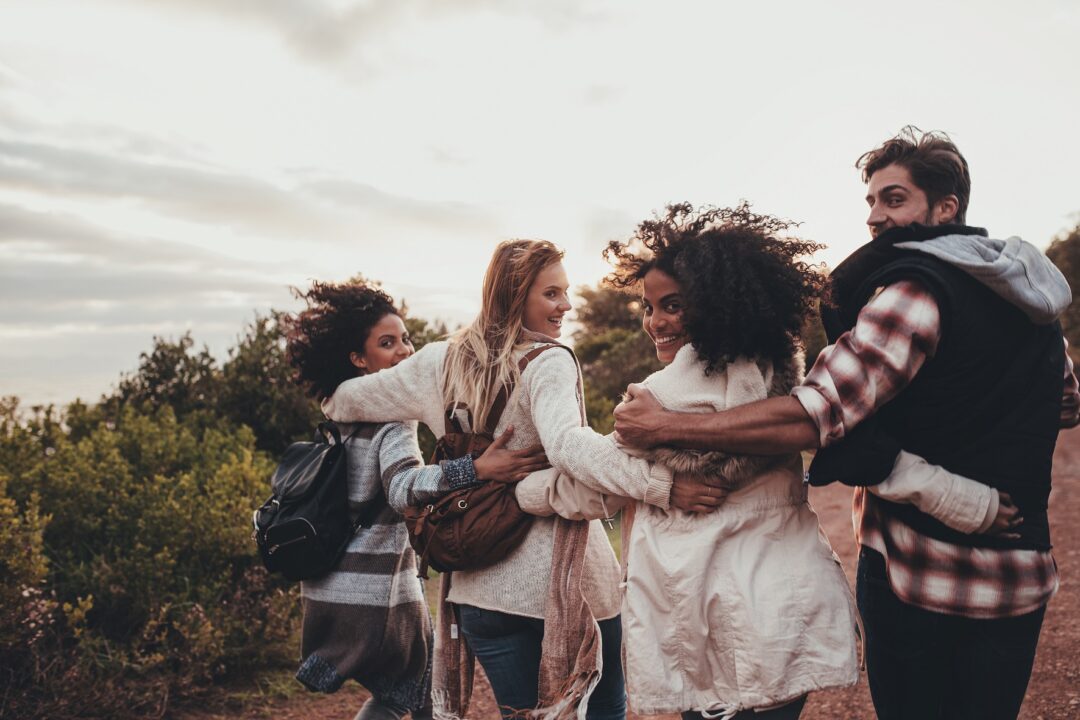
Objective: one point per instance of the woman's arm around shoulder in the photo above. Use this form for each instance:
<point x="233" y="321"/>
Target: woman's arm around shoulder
<point x="406" y="480"/>
<point x="551" y="382"/>
<point x="961" y="503"/>
<point x="550" y="492"/>
<point x="411" y="390"/>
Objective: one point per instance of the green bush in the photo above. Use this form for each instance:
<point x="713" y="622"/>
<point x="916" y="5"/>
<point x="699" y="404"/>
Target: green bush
<point x="151" y="587"/>
<point x="23" y="565"/>
<point x="127" y="573"/>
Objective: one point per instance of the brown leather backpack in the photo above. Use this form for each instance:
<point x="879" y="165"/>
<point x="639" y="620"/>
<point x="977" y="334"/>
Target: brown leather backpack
<point x="474" y="527"/>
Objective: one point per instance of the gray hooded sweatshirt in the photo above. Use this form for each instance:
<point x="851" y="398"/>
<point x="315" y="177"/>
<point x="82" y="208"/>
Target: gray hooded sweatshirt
<point x="1015" y="270"/>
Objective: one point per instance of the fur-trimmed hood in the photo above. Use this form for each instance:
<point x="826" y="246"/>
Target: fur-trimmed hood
<point x="683" y="386"/>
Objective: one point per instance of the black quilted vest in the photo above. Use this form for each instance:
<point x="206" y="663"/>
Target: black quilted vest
<point x="987" y="404"/>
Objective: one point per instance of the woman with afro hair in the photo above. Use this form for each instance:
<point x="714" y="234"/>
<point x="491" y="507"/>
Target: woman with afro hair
<point x="742" y="611"/>
<point x="367" y="619"/>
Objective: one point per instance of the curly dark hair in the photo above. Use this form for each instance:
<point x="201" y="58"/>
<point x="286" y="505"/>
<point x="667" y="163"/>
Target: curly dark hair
<point x="746" y="292"/>
<point x="337" y="322"/>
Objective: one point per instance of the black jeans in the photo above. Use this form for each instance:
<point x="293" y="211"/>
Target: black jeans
<point x="508" y="648"/>
<point x="925" y="666"/>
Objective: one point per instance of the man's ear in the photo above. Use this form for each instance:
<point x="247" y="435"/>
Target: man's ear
<point x="945" y="210"/>
<point x="358" y="361"/>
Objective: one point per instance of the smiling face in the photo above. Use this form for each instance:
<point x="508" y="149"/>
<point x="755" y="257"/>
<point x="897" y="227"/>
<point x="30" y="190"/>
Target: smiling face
<point x="387" y="344"/>
<point x="547" y="301"/>
<point x="896" y="201"/>
<point x="663" y="312"/>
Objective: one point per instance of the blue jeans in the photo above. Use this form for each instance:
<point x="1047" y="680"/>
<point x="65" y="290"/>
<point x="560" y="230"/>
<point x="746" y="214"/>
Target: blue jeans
<point x="928" y="666"/>
<point x="508" y="648"/>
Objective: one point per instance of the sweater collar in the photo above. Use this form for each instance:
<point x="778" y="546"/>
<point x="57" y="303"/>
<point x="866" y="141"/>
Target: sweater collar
<point x="528" y="336"/>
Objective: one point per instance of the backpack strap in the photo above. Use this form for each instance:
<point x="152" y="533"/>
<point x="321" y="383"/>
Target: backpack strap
<point x="450" y="423"/>
<point x="327" y="431"/>
<point x="501" y="398"/>
<point x="499" y="405"/>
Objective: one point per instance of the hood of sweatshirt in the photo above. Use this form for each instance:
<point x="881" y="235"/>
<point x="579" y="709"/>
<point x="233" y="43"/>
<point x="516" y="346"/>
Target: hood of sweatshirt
<point x="1015" y="270"/>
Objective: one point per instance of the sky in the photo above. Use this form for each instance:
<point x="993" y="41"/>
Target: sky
<point x="178" y="165"/>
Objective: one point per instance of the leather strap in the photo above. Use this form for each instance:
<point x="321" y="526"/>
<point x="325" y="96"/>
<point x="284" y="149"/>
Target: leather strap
<point x="501" y="398"/>
<point x="499" y="404"/>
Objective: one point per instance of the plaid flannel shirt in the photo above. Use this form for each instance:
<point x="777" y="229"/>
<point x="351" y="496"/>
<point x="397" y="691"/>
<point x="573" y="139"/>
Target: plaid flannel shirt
<point x="868" y="366"/>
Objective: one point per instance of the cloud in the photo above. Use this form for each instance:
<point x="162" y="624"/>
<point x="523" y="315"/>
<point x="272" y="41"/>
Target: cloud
<point x="329" y="34"/>
<point x="445" y="157"/>
<point x="361" y="196"/>
<point x="78" y="304"/>
<point x="64" y="237"/>
<point x="69" y="329"/>
<point x="193" y="193"/>
<point x="16" y="97"/>
<point x="34" y="291"/>
<point x="60" y="269"/>
<point x="598" y="95"/>
<point x="326" y="208"/>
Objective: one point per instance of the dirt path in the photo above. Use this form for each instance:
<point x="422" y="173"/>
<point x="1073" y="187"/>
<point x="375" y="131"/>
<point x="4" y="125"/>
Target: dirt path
<point x="1054" y="693"/>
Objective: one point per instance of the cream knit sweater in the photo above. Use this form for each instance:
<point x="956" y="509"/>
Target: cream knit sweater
<point x="543" y="408"/>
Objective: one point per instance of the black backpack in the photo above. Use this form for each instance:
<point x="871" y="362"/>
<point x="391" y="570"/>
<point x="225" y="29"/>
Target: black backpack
<point x="303" y="529"/>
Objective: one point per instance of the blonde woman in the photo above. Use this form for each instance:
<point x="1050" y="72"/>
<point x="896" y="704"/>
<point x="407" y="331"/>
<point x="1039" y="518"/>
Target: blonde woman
<point x="543" y="622"/>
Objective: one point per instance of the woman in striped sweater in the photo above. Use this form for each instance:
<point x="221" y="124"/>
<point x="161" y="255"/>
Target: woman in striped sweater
<point x="367" y="619"/>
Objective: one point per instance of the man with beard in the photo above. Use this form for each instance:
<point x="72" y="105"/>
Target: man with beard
<point x="945" y="345"/>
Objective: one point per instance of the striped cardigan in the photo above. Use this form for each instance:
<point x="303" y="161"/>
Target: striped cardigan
<point x="367" y="619"/>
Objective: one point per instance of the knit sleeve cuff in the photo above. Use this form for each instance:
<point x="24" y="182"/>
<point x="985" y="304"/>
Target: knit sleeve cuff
<point x="658" y="491"/>
<point x="460" y="473"/>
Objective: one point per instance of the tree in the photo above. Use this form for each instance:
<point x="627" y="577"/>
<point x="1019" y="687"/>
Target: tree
<point x="129" y="561"/>
<point x="172" y="374"/>
<point x="1064" y="252"/>
<point x="127" y="575"/>
<point x="612" y="349"/>
<point x="421" y="332"/>
<point x="258" y="390"/>
<point x="814" y="339"/>
<point x="606" y="309"/>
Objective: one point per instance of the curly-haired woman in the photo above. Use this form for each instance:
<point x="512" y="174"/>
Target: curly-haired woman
<point x="738" y="613"/>
<point x="543" y="622"/>
<point x="367" y="619"/>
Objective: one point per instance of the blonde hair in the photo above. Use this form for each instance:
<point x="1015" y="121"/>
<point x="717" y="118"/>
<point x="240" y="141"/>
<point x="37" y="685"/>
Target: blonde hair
<point x="480" y="359"/>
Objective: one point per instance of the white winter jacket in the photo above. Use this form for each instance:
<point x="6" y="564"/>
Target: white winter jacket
<point x="746" y="607"/>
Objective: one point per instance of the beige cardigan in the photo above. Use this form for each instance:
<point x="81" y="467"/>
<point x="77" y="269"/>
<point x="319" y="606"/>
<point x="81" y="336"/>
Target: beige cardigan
<point x="543" y="408"/>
